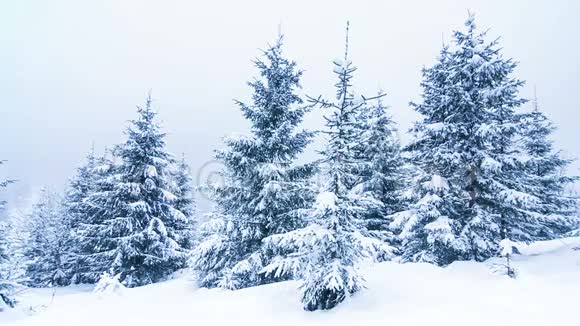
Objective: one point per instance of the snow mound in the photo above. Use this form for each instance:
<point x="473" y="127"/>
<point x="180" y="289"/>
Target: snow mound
<point x="109" y="285"/>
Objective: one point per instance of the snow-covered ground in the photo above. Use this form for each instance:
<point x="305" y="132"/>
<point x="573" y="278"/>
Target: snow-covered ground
<point x="547" y="292"/>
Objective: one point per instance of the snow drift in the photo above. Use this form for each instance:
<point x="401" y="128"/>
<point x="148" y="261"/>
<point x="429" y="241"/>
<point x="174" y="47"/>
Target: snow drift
<point x="546" y="292"/>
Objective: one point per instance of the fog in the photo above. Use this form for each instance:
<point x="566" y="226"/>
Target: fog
<point x="72" y="72"/>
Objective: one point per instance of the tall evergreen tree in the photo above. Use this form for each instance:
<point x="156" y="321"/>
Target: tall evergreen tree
<point x="48" y="243"/>
<point x="472" y="189"/>
<point x="325" y="255"/>
<point x="502" y="203"/>
<point x="428" y="228"/>
<point x="133" y="227"/>
<point x="264" y="188"/>
<point x="546" y="168"/>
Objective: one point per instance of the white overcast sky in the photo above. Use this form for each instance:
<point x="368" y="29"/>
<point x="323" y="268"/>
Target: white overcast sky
<point x="72" y="71"/>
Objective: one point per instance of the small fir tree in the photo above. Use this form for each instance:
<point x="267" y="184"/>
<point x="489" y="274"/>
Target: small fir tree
<point x="48" y="243"/>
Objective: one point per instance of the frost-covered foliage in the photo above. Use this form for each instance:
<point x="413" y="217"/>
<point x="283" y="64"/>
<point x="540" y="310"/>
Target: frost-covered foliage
<point x="427" y="233"/>
<point x="546" y="169"/>
<point x="384" y="173"/>
<point x="263" y="188"/>
<point x="427" y="230"/>
<point x="48" y="243"/>
<point x="90" y="177"/>
<point x="325" y="255"/>
<point x="79" y="188"/>
<point x="11" y="273"/>
<point x="472" y="189"/>
<point x="508" y="248"/>
<point x="133" y="227"/>
<point x="4" y="184"/>
<point x="182" y="187"/>
<point x="109" y="285"/>
<point x="504" y="264"/>
<point x="76" y="209"/>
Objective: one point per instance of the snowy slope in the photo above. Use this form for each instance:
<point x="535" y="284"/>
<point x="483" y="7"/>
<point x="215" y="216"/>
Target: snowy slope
<point x="547" y="292"/>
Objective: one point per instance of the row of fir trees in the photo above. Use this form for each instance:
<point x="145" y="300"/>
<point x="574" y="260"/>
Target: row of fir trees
<point x="479" y="172"/>
<point x="129" y="213"/>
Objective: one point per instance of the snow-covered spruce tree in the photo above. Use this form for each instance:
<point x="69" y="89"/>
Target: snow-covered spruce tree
<point x="76" y="210"/>
<point x="428" y="229"/>
<point x="79" y="188"/>
<point x="546" y="168"/>
<point x="384" y="173"/>
<point x="325" y="255"/>
<point x="48" y="243"/>
<point x="501" y="195"/>
<point x="11" y="275"/>
<point x="133" y="227"/>
<point x="94" y="177"/>
<point x="182" y="186"/>
<point x="472" y="190"/>
<point x="264" y="188"/>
